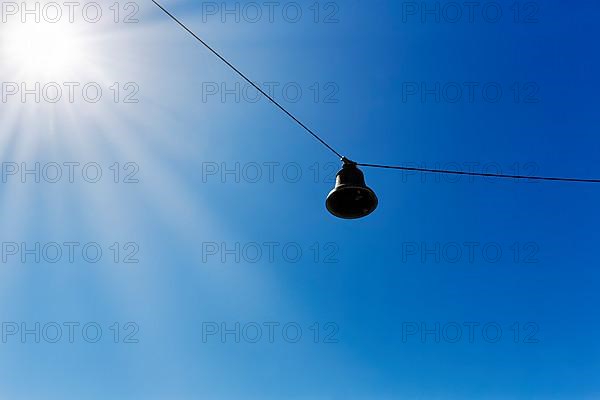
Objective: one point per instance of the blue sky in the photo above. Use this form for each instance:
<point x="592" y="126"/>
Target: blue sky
<point x="452" y="289"/>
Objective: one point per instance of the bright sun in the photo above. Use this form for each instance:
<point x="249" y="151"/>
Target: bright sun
<point x="42" y="49"/>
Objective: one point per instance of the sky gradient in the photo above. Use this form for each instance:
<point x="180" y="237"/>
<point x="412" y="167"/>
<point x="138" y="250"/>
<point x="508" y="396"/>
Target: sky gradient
<point x="221" y="274"/>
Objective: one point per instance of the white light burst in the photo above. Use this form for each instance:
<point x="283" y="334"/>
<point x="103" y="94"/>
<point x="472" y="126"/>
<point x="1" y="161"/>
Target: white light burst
<point x="42" y="50"/>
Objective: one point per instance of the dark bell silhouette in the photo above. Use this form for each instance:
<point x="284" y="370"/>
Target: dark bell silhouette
<point x="351" y="198"/>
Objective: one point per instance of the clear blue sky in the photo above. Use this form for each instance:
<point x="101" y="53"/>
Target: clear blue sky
<point x="406" y="304"/>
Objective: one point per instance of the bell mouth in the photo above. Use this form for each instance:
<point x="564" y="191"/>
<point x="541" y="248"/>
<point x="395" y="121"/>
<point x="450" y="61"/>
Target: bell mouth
<point x="351" y="202"/>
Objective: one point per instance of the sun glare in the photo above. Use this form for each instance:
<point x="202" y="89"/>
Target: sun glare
<point x="42" y="49"/>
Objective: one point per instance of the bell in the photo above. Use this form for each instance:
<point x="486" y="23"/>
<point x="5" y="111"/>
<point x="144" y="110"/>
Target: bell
<point x="351" y="198"/>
